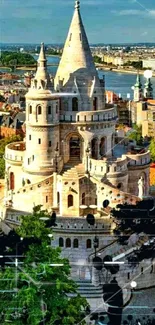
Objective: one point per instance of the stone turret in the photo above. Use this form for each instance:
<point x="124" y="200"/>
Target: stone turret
<point x="42" y="122"/>
<point x="138" y="90"/>
<point x="76" y="73"/>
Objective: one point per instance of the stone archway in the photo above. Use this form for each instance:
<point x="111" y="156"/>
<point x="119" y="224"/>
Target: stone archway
<point x="74" y="147"/>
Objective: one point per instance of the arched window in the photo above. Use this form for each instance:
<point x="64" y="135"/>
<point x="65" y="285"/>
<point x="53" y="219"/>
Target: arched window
<point x="83" y="199"/>
<point x="39" y="110"/>
<point x="74" y="104"/>
<point x="12" y="181"/>
<point x="70" y="200"/>
<point x="75" y="243"/>
<point x="68" y="242"/>
<point x="61" y="242"/>
<point x="88" y="243"/>
<point x="95" y="104"/>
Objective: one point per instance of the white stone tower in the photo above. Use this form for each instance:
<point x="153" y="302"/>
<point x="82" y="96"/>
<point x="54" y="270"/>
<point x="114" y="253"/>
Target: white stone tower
<point x="138" y="90"/>
<point x="42" y="123"/>
<point x="76" y="73"/>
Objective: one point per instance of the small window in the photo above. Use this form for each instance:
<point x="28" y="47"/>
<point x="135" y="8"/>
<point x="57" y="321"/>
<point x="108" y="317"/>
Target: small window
<point x="88" y="243"/>
<point x="46" y="199"/>
<point x="61" y="242"/>
<point x="39" y="110"/>
<point x="68" y="242"/>
<point x="30" y="109"/>
<point x="74" y="104"/>
<point x="30" y="137"/>
<point x="33" y="157"/>
<point x="50" y="143"/>
<point x="70" y="200"/>
<point x="39" y="141"/>
<point x="56" y="108"/>
<point x="70" y="37"/>
<point x="49" y="109"/>
<point x="75" y="243"/>
<point x="28" y="161"/>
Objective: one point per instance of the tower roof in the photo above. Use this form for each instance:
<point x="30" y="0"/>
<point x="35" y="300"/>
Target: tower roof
<point x="42" y="75"/>
<point x="76" y="54"/>
<point x="138" y="83"/>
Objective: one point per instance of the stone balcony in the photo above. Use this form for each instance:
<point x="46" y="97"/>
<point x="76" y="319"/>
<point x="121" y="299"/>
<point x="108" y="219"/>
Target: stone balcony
<point x="83" y="117"/>
<point x="15" y="152"/>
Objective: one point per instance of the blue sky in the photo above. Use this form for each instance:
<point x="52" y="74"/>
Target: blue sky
<point x="106" y="21"/>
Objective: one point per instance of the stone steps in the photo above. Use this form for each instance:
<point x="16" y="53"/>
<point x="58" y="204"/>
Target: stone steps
<point x="88" y="290"/>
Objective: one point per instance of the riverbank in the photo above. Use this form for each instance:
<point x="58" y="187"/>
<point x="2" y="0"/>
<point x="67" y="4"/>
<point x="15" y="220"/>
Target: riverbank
<point x="120" y="70"/>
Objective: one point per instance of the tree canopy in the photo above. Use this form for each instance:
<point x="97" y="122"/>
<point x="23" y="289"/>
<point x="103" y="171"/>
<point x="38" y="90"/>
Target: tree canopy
<point x="38" y="290"/>
<point x="136" y="134"/>
<point x="14" y="58"/>
<point x="152" y="149"/>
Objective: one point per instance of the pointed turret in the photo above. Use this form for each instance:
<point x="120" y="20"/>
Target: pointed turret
<point x="77" y="62"/>
<point x="138" y="90"/>
<point x="148" y="89"/>
<point x="42" y="79"/>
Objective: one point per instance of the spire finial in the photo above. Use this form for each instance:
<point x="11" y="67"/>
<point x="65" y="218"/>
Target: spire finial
<point x="77" y="4"/>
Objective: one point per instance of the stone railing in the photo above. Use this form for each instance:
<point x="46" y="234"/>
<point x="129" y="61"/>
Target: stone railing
<point x="107" y="165"/>
<point x="15" y="151"/>
<point x="138" y="159"/>
<point x="36" y="186"/>
<point x="107" y="115"/>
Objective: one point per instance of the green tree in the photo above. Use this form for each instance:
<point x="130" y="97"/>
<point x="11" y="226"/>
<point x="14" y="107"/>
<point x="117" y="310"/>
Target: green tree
<point x="136" y="134"/>
<point x="97" y="59"/>
<point x="15" y="58"/>
<point x="43" y="289"/>
<point x="152" y="149"/>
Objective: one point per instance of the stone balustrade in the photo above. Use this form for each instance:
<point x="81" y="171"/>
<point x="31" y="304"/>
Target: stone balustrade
<point x="107" y="165"/>
<point x="138" y="159"/>
<point x="15" y="151"/>
<point x="107" y="115"/>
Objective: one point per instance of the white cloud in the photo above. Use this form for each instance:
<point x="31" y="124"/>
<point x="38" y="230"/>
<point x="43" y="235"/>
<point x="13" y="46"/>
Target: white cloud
<point x="134" y="12"/>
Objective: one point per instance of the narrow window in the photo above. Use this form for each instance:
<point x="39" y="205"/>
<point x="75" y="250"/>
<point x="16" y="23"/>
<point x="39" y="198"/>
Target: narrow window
<point x="80" y="37"/>
<point x="28" y="161"/>
<point x="88" y="243"/>
<point x="46" y="199"/>
<point x="75" y="243"/>
<point x="75" y="104"/>
<point x="70" y="37"/>
<point x="39" y="141"/>
<point x="12" y="181"/>
<point x="61" y="242"/>
<point x="33" y="157"/>
<point x="50" y="143"/>
<point x="39" y="110"/>
<point x="49" y="109"/>
<point x="30" y="109"/>
<point x="30" y="137"/>
<point x="70" y="200"/>
<point x="68" y="242"/>
<point x="56" y="108"/>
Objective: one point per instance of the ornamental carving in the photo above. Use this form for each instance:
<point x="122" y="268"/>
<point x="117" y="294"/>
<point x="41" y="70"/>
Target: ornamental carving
<point x="40" y="129"/>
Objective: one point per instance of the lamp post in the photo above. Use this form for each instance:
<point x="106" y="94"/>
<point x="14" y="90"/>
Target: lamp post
<point x="87" y="158"/>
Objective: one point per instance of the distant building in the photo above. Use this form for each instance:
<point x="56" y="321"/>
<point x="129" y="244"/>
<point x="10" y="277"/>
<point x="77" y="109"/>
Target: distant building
<point x="149" y="63"/>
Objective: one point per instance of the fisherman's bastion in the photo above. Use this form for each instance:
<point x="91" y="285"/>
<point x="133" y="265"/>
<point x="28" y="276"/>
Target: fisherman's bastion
<point x="68" y="161"/>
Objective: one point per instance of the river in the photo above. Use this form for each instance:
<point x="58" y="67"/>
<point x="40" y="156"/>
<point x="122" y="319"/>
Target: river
<point x="120" y="83"/>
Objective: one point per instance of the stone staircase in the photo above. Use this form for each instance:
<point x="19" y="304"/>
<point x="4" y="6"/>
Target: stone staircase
<point x="72" y="171"/>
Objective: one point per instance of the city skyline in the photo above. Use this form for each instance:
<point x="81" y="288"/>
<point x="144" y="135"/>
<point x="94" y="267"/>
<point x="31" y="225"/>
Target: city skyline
<point x="106" y="21"/>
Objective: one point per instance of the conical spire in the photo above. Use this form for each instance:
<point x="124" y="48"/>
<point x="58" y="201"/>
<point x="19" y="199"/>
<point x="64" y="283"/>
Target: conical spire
<point x="76" y="54"/>
<point x="138" y="83"/>
<point x="42" y="75"/>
